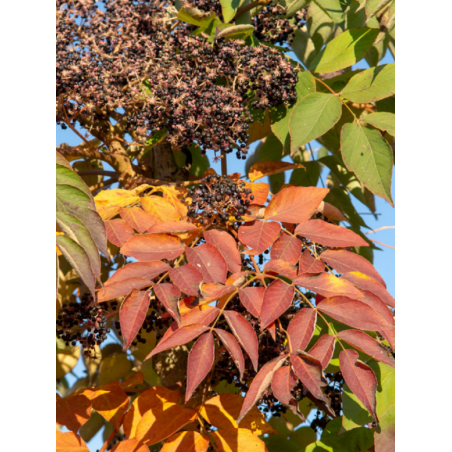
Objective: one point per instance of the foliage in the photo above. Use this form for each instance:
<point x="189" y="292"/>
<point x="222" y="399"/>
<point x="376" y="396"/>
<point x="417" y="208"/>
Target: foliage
<point x="240" y="305"/>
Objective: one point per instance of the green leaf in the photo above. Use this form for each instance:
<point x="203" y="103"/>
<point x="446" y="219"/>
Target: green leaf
<point x="195" y="16"/>
<point x="378" y="51"/>
<point x="358" y="439"/>
<point x="293" y="6"/>
<point x="333" y="8"/>
<point x="245" y="18"/>
<point x="369" y="156"/>
<point x="354" y="412"/>
<point x="233" y="31"/>
<point x="371" y="85"/>
<point x="386" y="105"/>
<point x="356" y="17"/>
<point x="280" y="116"/>
<point x="276" y="182"/>
<point x="272" y="149"/>
<point x="114" y="367"/>
<point x="303" y="47"/>
<point x="308" y="177"/>
<point x="92" y="426"/>
<point x="341" y="199"/>
<point x="229" y="8"/>
<point x="382" y="121"/>
<point x="199" y="164"/>
<point x="374" y="6"/>
<point x="312" y="117"/>
<point x="345" y="50"/>
<point x="320" y="26"/>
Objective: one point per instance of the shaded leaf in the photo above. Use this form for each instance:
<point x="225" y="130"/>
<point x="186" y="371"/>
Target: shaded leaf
<point x="208" y="260"/>
<point x="287" y="248"/>
<point x="323" y="349"/>
<point x="328" y="234"/>
<point x="281" y="267"/>
<point x="132" y="314"/>
<point x="331" y="212"/>
<point x="70" y="442"/>
<point x="114" y="367"/>
<point x="301" y="328"/>
<point x="137" y="218"/>
<point x="213" y="292"/>
<point x="295" y="204"/>
<point x="283" y="381"/>
<point x="259" y="235"/>
<point x="354" y="412"/>
<point x="186" y="442"/>
<point x="252" y="298"/>
<point x="278" y="297"/>
<point x="268" y="168"/>
<point x="233" y="349"/>
<point x="309" y="264"/>
<point x="73" y="411"/>
<point x="134" y="380"/>
<point x="153" y="247"/>
<point x="227" y="246"/>
<point x="186" y="278"/>
<point x="118" y="231"/>
<point x="129" y="445"/>
<point x="169" y="295"/>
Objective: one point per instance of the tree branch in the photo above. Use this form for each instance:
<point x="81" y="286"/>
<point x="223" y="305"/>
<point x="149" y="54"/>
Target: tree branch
<point x="249" y="7"/>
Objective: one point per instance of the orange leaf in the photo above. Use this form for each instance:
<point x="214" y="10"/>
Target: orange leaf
<point x="172" y="227"/>
<point x="155" y="396"/>
<point x="227" y="246"/>
<point x="132" y="314"/>
<point x="187" y="278"/>
<point x="186" y="442"/>
<point x="212" y="292"/>
<point x="135" y="380"/>
<point x="173" y="196"/>
<point x="70" y="442"/>
<point x="277" y="299"/>
<point x="269" y="167"/>
<point x="162" y="421"/>
<point x="159" y="209"/>
<point x="129" y="445"/>
<point x="137" y="218"/>
<point x="286" y="248"/>
<point x="260" y="192"/>
<point x="72" y="411"/>
<point x="153" y="247"/>
<point x="168" y="294"/>
<point x="309" y="264"/>
<point x="118" y="231"/>
<point x="223" y="410"/>
<point x="259" y="235"/>
<point x="108" y="202"/>
<point x="295" y="204"/>
<point x="280" y="267"/>
<point x="330" y="212"/>
<point x="237" y="440"/>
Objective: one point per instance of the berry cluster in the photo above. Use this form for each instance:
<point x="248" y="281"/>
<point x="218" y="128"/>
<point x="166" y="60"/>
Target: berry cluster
<point x="218" y="198"/>
<point x="83" y="322"/>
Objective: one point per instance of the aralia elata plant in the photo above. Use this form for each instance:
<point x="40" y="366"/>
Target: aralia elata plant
<point x="240" y="306"/>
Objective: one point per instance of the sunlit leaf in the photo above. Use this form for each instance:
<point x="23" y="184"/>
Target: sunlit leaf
<point x="118" y="231"/>
<point x="208" y="260"/>
<point x="159" y="209"/>
<point x="169" y="296"/>
<point x="383" y="121"/>
<point x="108" y="202"/>
<point x="278" y="297"/>
<point x="286" y="248"/>
<point x="323" y="349"/>
<point x="137" y="218"/>
<point x="186" y="278"/>
<point x="187" y="442"/>
<point x="301" y="328"/>
<point x="132" y="314"/>
<point x="237" y="440"/>
<point x="252" y="298"/>
<point x="70" y="442"/>
<point x="259" y="235"/>
<point x="227" y="246"/>
<point x="153" y="247"/>
<point x="309" y="264"/>
<point x="129" y="445"/>
<point x="280" y="267"/>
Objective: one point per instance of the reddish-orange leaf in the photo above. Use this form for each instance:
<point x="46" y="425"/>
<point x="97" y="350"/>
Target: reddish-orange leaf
<point x="227" y="246"/>
<point x="252" y="298"/>
<point x="223" y="410"/>
<point x="152" y="397"/>
<point x="367" y="283"/>
<point x="187" y="278"/>
<point x="73" y="411"/>
<point x="233" y="348"/>
<point x="162" y="421"/>
<point x="366" y="344"/>
<point x="301" y="328"/>
<point x="331" y="212"/>
<point x="134" y="380"/>
<point x="121" y="288"/>
<point x="259" y="191"/>
<point x="272" y="330"/>
<point x="286" y="248"/>
<point x="327" y="285"/>
<point x="360" y="378"/>
<point x="253" y="212"/>
<point x="280" y="267"/>
<point x="309" y="371"/>
<point x="169" y="295"/>
<point x="323" y="349"/>
<point x="137" y="218"/>
<point x="295" y="204"/>
<point x="259" y="384"/>
<point x="208" y="260"/>
<point x="309" y="264"/>
<point x="110" y="401"/>
<point x="259" y="235"/>
<point x="270" y="167"/>
<point x="245" y="335"/>
<point x="212" y="292"/>
<point x="237" y="440"/>
<point x="329" y="234"/>
<point x="345" y="261"/>
<point x="130" y="445"/>
<point x="283" y="382"/>
<point x="173" y="195"/>
<point x="172" y="227"/>
<point x="70" y="442"/>
<point x="185" y="442"/>
<point x="153" y="247"/>
<point x="181" y="336"/>
<point x="159" y="209"/>
<point x="354" y="313"/>
<point x="277" y="299"/>
<point x="118" y="231"/>
<point x="132" y="314"/>
<point x="200" y="361"/>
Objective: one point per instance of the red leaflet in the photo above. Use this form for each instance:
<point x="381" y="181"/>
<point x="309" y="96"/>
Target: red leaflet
<point x="132" y="314"/>
<point x="360" y="378"/>
<point x="118" y="231"/>
<point x="353" y="313"/>
<point x="252" y="298"/>
<point x="208" y="260"/>
<point x="301" y="329"/>
<point x="272" y="330"/>
<point x="281" y="267"/>
<point x="323" y="350"/>
<point x="295" y="204"/>
<point x="233" y="348"/>
<point x="227" y="246"/>
<point x="200" y="360"/>
<point x="187" y="278"/>
<point x="327" y="285"/>
<point x="172" y="227"/>
<point x="329" y="234"/>
<point x="153" y="247"/>
<point x="286" y="248"/>
<point x="212" y="292"/>
<point x="180" y="337"/>
<point x="121" y="288"/>
<point x="277" y="299"/>
<point x="259" y="235"/>
<point x="283" y="382"/>
<point x="137" y="218"/>
<point x="309" y="264"/>
<point x="366" y="344"/>
<point x="145" y="270"/>
<point x="260" y="383"/>
<point x="244" y="334"/>
<point x="169" y="295"/>
<point x="345" y="261"/>
<point x="366" y="283"/>
<point x="309" y="371"/>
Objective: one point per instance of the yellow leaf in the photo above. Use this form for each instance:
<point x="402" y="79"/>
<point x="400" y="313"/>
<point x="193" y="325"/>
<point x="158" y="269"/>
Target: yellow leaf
<point x="186" y="442"/>
<point x="108" y="202"/>
<point x="237" y="440"/>
<point x="159" y="209"/>
<point x="173" y="196"/>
